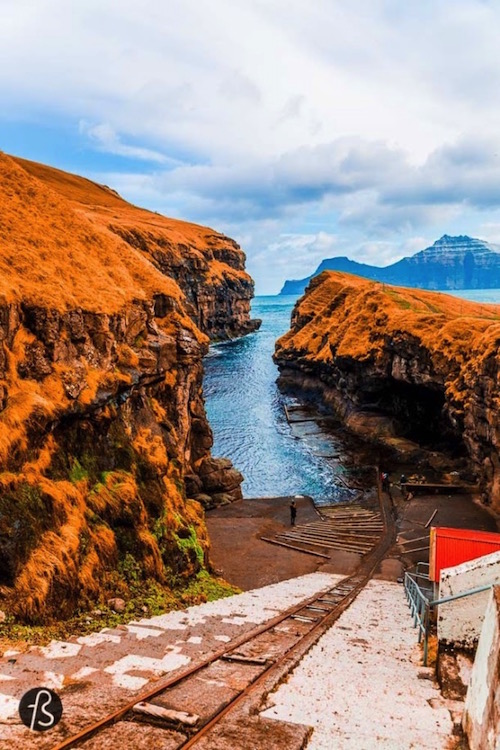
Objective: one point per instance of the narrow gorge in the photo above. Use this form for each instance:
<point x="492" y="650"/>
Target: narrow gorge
<point x="106" y="311"/>
<point x="405" y="368"/>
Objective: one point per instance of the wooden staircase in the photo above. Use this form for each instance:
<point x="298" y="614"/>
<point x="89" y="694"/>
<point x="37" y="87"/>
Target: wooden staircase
<point x="346" y="527"/>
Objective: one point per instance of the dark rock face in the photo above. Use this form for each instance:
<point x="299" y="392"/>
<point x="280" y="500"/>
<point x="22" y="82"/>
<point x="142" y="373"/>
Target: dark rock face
<point x="218" y="301"/>
<point x="217" y="482"/>
<point x="98" y="462"/>
<point x="402" y="367"/>
<point x="450" y="263"/>
<point x="104" y="440"/>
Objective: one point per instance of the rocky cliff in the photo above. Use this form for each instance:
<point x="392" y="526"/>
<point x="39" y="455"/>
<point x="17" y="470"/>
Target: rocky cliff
<point x="402" y="366"/>
<point x="208" y="266"/>
<point x="104" y="441"/>
<point x="450" y="263"/>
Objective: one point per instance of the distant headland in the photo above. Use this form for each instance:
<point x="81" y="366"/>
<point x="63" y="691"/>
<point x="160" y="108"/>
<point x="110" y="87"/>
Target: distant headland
<point x="450" y="263"/>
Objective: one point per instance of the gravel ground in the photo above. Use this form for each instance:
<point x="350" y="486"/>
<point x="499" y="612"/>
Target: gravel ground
<point x="359" y="686"/>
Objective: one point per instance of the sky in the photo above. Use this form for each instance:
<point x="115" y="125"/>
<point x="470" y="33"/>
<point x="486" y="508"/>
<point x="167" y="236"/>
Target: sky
<point x="303" y="129"/>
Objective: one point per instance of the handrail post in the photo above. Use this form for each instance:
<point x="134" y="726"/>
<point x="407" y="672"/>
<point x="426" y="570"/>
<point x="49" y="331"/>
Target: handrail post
<point x="421" y="606"/>
<point x="426" y="634"/>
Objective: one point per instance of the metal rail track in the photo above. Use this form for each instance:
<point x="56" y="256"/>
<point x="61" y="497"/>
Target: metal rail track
<point x="287" y="632"/>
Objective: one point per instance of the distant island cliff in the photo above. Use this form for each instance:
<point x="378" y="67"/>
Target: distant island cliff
<point x="450" y="263"/>
<point x="401" y="367"/>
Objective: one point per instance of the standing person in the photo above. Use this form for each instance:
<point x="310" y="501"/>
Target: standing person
<point x="385" y="481"/>
<point x="293" y="512"/>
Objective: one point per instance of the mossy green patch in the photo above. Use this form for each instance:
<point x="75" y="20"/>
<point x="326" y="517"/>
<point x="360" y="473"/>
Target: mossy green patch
<point x="77" y="473"/>
<point x="25" y="514"/>
<point x="147" y="598"/>
<point x="188" y="544"/>
<point x="401" y="302"/>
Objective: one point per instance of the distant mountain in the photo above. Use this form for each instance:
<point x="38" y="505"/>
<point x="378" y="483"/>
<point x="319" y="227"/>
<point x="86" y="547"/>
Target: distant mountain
<point x="450" y="263"/>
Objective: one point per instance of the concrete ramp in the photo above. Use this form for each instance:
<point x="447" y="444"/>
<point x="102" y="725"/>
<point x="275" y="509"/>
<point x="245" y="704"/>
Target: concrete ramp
<point x="361" y="687"/>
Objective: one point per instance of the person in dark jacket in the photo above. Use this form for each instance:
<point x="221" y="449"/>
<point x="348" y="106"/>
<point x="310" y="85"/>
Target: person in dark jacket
<point x="385" y="481"/>
<point x="293" y="512"/>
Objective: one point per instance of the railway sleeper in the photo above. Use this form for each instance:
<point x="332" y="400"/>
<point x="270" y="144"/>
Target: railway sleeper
<point x="316" y="608"/>
<point x="348" y="531"/>
<point x="338" y="539"/>
<point x="334" y="545"/>
<point x="241" y="658"/>
<point x="177" y="719"/>
<point x="339" y="530"/>
<point x="328" y="541"/>
<point x="304" y="618"/>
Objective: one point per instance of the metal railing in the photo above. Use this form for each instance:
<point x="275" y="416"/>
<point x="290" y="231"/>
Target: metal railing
<point x="422" y="567"/>
<point x="419" y="597"/>
<point x="421" y="602"/>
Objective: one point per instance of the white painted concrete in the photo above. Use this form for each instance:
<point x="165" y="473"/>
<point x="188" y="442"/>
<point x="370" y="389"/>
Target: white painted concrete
<point x="460" y="622"/>
<point x="141" y="633"/>
<point x="125" y="670"/>
<point x="60" y="650"/>
<point x="359" y="686"/>
<point x="481" y="720"/>
<point x="95" y="674"/>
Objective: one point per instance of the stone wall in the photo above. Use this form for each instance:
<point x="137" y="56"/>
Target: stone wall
<point x="460" y="622"/>
<point x="481" y="720"/>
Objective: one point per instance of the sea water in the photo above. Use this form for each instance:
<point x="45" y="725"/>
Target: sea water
<point x="246" y="412"/>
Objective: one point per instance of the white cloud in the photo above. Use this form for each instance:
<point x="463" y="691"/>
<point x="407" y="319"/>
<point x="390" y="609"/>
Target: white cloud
<point x="300" y="127"/>
<point x="218" y="77"/>
<point x="105" y="139"/>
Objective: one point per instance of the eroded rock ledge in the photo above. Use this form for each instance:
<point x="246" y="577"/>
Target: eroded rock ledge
<point x="104" y="442"/>
<point x="400" y="363"/>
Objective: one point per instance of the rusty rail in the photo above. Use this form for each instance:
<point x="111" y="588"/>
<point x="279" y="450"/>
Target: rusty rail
<point x="339" y="597"/>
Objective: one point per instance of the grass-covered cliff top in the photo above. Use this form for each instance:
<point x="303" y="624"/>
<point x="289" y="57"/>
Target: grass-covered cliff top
<point x="346" y="316"/>
<point x="62" y="243"/>
<point x="53" y="256"/>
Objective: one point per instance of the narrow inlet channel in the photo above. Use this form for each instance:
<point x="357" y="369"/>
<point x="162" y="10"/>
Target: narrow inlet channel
<point x="247" y="415"/>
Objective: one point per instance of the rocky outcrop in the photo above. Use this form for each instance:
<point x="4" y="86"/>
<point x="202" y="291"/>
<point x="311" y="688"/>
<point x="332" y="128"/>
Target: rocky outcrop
<point x="399" y="364"/>
<point x="450" y="263"/>
<point x="217" y="289"/>
<point x="104" y="441"/>
<point x="208" y="266"/>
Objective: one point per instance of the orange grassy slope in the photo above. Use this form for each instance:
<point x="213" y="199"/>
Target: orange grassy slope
<point x="346" y="316"/>
<point x="358" y="336"/>
<point x="148" y="231"/>
<point x="54" y="256"/>
<point x="102" y="421"/>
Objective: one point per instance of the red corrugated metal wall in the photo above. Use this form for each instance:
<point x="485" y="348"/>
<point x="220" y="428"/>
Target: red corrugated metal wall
<point x="449" y="547"/>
